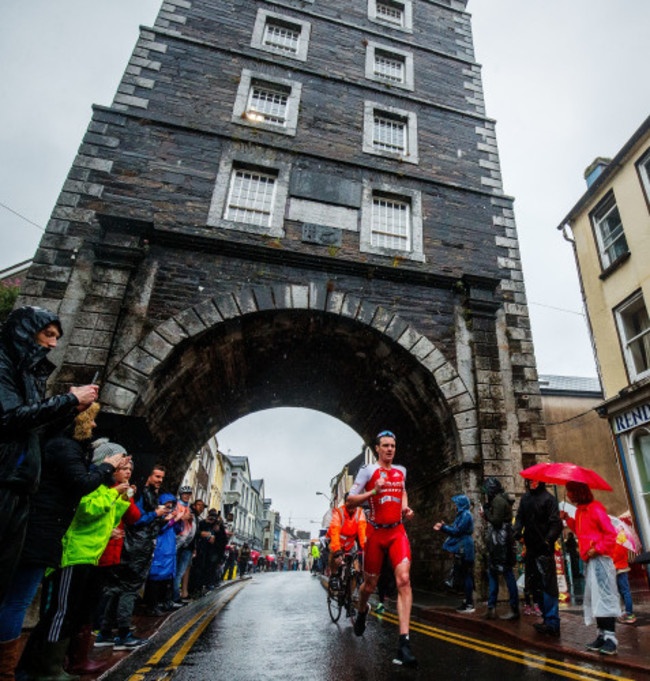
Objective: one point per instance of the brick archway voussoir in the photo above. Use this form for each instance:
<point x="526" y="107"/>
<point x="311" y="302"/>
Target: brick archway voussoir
<point x="130" y="377"/>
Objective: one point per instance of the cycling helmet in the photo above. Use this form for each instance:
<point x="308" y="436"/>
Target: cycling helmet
<point x="185" y="489"/>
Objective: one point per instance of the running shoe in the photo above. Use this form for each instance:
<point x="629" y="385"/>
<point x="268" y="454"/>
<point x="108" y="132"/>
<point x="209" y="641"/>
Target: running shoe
<point x="379" y="608"/>
<point x="404" y="655"/>
<point x="466" y="609"/>
<point x="609" y="647"/>
<point x="360" y="622"/>
<point x="627" y="618"/>
<point x="597" y="644"/>
<point x="128" y="642"/>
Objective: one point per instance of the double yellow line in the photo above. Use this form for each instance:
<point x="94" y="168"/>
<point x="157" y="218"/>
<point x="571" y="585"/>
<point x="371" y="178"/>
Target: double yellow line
<point x="153" y="669"/>
<point x="566" y="669"/>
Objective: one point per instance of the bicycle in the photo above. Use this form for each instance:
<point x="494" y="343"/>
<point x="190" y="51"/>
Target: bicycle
<point x="343" y="592"/>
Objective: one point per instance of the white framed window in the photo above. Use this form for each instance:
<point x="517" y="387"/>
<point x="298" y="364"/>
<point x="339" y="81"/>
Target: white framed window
<point x="608" y="228"/>
<point x="643" y="167"/>
<point x="250" y="197"/>
<point x="281" y="34"/>
<point x="395" y="13"/>
<point x="634" y="330"/>
<point x="389" y="65"/>
<point x="391" y="221"/>
<point x="267" y="103"/>
<point x="250" y="193"/>
<point x="390" y="132"/>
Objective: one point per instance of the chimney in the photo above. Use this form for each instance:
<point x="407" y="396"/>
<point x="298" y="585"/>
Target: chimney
<point x="594" y="170"/>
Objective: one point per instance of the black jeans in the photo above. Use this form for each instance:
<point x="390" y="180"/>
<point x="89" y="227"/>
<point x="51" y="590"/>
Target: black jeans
<point x="14" y="511"/>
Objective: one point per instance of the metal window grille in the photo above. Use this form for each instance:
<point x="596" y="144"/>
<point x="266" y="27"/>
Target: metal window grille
<point x="389" y="67"/>
<point x="267" y="104"/>
<point x="282" y="37"/>
<point x="250" y="197"/>
<point x="391" y="12"/>
<point x="389" y="134"/>
<point x="391" y="223"/>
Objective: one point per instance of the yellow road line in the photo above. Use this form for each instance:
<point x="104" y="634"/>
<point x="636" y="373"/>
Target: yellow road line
<point x="187" y="646"/>
<point x="140" y="675"/>
<point x="528" y="659"/>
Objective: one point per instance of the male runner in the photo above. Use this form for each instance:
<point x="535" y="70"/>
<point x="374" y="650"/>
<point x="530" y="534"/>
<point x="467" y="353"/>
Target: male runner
<point x="382" y="485"/>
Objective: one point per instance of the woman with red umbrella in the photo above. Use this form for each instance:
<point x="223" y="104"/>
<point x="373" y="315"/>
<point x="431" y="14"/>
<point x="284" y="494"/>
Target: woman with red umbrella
<point x="596" y="541"/>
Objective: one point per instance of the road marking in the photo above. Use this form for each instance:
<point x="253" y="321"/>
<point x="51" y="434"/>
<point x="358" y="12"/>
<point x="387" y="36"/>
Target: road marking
<point x="529" y="659"/>
<point x="206" y="616"/>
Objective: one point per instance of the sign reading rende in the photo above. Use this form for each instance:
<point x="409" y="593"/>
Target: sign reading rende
<point x="631" y="419"/>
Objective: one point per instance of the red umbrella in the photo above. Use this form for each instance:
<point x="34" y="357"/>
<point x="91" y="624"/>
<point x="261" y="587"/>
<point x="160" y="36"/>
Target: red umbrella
<point x="561" y="473"/>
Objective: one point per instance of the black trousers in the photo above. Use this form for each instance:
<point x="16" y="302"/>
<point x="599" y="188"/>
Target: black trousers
<point x="14" y="511"/>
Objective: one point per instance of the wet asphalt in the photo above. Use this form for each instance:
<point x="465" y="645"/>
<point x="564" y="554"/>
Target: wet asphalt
<point x="278" y="627"/>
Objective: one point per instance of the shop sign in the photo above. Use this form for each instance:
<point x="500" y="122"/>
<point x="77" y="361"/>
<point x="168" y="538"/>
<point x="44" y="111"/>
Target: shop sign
<point x="638" y="416"/>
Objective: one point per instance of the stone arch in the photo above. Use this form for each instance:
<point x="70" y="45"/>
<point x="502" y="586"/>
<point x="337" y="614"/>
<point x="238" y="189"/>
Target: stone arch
<point x="138" y="384"/>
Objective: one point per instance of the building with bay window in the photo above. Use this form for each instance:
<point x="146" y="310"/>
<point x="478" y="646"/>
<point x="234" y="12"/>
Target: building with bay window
<point x="609" y="228"/>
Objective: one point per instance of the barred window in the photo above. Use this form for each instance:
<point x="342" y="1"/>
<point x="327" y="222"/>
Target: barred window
<point x="391" y="223"/>
<point x="250" y="197"/>
<point x="267" y="104"/>
<point x="390" y="134"/>
<point x="391" y="12"/>
<point x="389" y="67"/>
<point x="282" y="36"/>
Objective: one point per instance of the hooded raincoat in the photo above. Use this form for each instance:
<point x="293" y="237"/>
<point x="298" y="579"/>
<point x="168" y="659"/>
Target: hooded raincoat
<point x="460" y="541"/>
<point x="24" y="413"/>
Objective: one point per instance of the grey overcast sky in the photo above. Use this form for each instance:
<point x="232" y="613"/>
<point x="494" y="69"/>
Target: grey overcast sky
<point x="565" y="81"/>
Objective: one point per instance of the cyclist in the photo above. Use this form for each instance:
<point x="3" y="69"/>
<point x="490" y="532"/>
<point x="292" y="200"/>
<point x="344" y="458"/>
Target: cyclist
<point x="347" y="525"/>
<point x="382" y="485"/>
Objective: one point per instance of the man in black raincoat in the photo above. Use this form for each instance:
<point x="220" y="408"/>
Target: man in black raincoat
<point x="538" y="521"/>
<point x="27" y="336"/>
<point x="501" y="548"/>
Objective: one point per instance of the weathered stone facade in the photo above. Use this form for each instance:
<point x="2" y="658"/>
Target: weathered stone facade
<point x="195" y="320"/>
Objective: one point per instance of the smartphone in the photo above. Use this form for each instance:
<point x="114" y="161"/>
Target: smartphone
<point x="95" y="378"/>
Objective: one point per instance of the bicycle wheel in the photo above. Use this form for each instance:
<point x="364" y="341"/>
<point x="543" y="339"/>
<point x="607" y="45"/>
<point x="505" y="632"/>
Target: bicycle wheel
<point x="334" y="603"/>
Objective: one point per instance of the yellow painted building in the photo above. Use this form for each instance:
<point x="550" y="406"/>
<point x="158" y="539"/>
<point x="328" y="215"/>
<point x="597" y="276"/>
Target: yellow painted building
<point x="609" y="228"/>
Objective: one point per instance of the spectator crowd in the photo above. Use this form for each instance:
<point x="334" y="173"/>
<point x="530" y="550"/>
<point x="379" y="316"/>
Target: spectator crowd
<point x="72" y="522"/>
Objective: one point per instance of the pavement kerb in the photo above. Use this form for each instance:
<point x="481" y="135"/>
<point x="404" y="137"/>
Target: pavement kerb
<point x="165" y="623"/>
<point x="448" y="617"/>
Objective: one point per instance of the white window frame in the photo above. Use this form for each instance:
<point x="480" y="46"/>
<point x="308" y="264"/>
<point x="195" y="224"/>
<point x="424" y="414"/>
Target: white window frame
<point x="628" y="343"/>
<point x="230" y="162"/>
<point x="242" y="115"/>
<point x="405" y="56"/>
<point x="406" y="6"/>
<point x="600" y="214"/>
<point x="370" y="110"/>
<point x="371" y="190"/>
<point x="264" y="17"/>
<point x="643" y="166"/>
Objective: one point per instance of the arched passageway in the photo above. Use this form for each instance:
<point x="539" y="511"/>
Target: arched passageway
<point x="369" y="375"/>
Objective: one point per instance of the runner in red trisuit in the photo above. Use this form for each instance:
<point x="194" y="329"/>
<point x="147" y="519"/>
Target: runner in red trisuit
<point x="382" y="485"/>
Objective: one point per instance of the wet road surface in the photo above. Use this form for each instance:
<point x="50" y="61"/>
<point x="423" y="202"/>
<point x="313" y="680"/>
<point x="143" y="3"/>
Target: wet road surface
<point x="278" y="627"/>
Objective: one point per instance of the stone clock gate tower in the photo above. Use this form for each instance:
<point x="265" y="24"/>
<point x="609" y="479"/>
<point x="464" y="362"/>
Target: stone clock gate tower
<point x="299" y="203"/>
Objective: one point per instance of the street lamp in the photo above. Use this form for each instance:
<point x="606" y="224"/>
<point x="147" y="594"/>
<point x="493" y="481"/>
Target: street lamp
<point x="325" y="495"/>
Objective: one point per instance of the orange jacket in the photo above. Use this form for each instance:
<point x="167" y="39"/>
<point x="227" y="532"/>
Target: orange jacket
<point x="345" y="528"/>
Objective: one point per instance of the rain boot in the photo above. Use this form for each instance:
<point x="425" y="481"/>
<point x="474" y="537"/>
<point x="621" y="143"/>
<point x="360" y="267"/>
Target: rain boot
<point x="49" y="667"/>
<point x="80" y="646"/>
<point x="9" y="656"/>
